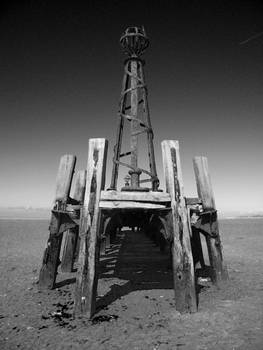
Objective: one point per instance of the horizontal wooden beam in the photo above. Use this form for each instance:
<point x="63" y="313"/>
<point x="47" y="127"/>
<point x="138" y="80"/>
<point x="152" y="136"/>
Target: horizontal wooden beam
<point x="192" y="201"/>
<point x="129" y="205"/>
<point x="149" y="197"/>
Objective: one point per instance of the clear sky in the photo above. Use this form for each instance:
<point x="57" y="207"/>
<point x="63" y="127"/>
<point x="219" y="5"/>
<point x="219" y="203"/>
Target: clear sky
<point x="61" y="71"/>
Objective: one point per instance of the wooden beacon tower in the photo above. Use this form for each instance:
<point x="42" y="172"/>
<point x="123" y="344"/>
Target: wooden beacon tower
<point x="93" y="215"/>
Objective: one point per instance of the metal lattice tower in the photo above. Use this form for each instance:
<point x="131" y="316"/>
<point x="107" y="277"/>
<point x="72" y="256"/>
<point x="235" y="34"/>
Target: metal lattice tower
<point x="134" y="108"/>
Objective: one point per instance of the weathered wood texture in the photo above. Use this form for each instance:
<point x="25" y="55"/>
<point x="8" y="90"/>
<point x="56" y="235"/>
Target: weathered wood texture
<point x="197" y="247"/>
<point x="155" y="197"/>
<point x="203" y="183"/>
<point x="192" y="201"/>
<point x="86" y="281"/>
<point x="183" y="267"/>
<point x="48" y="272"/>
<point x="129" y="205"/>
<point x="64" y="177"/>
<point x="71" y="237"/>
<point x="214" y="246"/>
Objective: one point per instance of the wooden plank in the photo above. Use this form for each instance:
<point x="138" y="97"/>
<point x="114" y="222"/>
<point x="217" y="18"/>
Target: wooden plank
<point x="48" y="271"/>
<point x="103" y="246"/>
<point x="129" y="205"/>
<point x="197" y="247"/>
<point x="183" y="267"/>
<point x="80" y="185"/>
<point x="158" y="197"/>
<point x="64" y="177"/>
<point x="71" y="238"/>
<point x="193" y="201"/>
<point x="214" y="246"/>
<point x="104" y="221"/>
<point x="87" y="275"/>
<point x="203" y="182"/>
<point x="107" y="243"/>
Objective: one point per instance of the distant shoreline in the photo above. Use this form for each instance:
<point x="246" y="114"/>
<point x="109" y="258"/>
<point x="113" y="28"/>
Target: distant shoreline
<point x="23" y="218"/>
<point x="24" y="214"/>
<point x="44" y="214"/>
<point x="241" y="217"/>
<point x="39" y="218"/>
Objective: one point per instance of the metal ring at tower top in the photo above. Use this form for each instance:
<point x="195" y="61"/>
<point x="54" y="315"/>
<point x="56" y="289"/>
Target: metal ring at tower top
<point x="134" y="41"/>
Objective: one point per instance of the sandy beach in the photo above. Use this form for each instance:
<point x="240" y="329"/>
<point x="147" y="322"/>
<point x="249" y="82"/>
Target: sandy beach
<point x="135" y="306"/>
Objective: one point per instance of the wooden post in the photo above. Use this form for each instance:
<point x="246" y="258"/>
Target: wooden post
<point x="107" y="243"/>
<point x="48" y="272"/>
<point x="205" y="192"/>
<point x="86" y="282"/>
<point x="183" y="267"/>
<point x="71" y="238"/>
<point x="197" y="249"/>
<point x="103" y="227"/>
<point x="64" y="177"/>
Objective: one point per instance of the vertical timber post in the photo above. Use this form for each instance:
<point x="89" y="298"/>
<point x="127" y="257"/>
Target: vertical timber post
<point x="72" y="234"/>
<point x="48" y="271"/>
<point x="87" y="275"/>
<point x="183" y="267"/>
<point x="205" y="192"/>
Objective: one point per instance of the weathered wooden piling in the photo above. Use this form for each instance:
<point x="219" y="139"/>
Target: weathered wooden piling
<point x="86" y="281"/>
<point x="72" y="235"/>
<point x="183" y="267"/>
<point x="48" y="272"/>
<point x="209" y="222"/>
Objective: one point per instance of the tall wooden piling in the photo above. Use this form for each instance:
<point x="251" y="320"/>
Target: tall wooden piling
<point x="72" y="234"/>
<point x="183" y="267"/>
<point x="86" y="282"/>
<point x="214" y="247"/>
<point x="48" y="272"/>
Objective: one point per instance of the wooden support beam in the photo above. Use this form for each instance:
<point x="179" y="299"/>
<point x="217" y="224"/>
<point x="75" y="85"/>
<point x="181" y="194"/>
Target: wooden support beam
<point x="107" y="243"/>
<point x="205" y="192"/>
<point x="64" y="177"/>
<point x="87" y="278"/>
<point x="104" y="221"/>
<point x="129" y="205"/>
<point x="149" y="197"/>
<point x="197" y="247"/>
<point x="71" y="238"/>
<point x="183" y="267"/>
<point x="48" y="272"/>
<point x="103" y="246"/>
<point x="193" y="201"/>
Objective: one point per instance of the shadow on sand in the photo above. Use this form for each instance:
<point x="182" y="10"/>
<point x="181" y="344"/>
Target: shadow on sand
<point x="136" y="263"/>
<point x="136" y="259"/>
